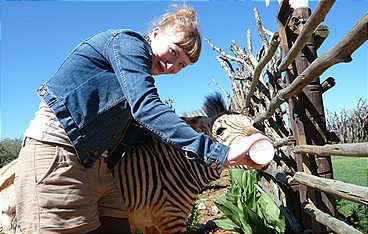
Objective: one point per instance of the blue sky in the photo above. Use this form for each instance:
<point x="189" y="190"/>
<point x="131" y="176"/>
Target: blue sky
<point x="37" y="35"/>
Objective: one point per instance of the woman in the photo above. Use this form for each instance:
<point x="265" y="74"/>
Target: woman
<point x="104" y="86"/>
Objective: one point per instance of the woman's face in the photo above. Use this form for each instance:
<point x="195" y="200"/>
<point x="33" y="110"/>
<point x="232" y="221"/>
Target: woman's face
<point x="169" y="58"/>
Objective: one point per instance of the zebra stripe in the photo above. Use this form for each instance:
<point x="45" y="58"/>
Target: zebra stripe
<point x="160" y="185"/>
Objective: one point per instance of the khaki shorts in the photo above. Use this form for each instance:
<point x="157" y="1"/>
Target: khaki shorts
<point x="56" y="194"/>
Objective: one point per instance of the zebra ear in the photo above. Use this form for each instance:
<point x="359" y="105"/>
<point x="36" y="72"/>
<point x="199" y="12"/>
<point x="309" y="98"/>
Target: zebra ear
<point x="199" y="123"/>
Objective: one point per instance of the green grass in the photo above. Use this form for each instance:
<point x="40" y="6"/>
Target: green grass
<point x="354" y="171"/>
<point x="350" y="170"/>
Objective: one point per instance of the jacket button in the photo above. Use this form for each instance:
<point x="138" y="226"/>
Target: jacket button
<point x="86" y="161"/>
<point x="105" y="154"/>
<point x="213" y="165"/>
<point x="96" y="153"/>
<point x="41" y="90"/>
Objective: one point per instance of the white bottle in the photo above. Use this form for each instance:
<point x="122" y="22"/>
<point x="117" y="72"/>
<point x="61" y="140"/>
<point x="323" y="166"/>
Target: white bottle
<point x="262" y="152"/>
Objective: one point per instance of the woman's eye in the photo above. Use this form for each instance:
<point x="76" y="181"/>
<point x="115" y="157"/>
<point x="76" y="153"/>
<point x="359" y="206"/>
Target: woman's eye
<point x="172" y="51"/>
<point x="182" y="65"/>
<point x="220" y="131"/>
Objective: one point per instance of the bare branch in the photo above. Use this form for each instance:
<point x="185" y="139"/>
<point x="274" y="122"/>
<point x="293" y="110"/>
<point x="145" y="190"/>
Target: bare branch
<point x="268" y="32"/>
<point x="251" y="57"/>
<point x="249" y="42"/>
<point x="274" y="44"/>
<point x="227" y="94"/>
<point x="260" y="28"/>
<point x="227" y="67"/>
<point x="232" y="58"/>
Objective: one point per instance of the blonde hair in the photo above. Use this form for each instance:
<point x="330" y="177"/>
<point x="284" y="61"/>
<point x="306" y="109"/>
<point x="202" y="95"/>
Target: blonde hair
<point x="185" y="20"/>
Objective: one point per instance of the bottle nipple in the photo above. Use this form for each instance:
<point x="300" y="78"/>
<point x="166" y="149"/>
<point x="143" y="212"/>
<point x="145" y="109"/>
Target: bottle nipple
<point x="262" y="152"/>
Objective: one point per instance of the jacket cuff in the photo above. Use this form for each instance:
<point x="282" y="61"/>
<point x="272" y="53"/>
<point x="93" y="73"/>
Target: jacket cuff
<point x="217" y="158"/>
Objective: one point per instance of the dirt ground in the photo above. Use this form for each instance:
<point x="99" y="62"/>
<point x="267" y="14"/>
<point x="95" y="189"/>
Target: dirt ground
<point x="207" y="207"/>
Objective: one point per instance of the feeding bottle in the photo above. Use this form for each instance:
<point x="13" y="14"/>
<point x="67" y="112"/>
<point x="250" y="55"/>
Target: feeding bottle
<point x="262" y="152"/>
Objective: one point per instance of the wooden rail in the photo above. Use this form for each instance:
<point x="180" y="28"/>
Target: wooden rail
<point x="351" y="192"/>
<point x="352" y="150"/>
<point x="334" y="224"/>
<point x="354" y="193"/>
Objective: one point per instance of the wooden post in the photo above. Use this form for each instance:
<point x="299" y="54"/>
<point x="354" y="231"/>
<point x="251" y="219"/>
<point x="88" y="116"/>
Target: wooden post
<point x="306" y="114"/>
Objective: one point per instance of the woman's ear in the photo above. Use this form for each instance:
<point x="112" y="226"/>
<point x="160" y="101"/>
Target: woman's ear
<point x="156" y="31"/>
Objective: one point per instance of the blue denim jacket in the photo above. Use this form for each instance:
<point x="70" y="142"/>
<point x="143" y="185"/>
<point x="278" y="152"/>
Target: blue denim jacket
<point x="102" y="85"/>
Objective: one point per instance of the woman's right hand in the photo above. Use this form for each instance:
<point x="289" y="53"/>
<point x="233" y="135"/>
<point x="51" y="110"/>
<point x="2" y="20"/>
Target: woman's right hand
<point x="238" y="152"/>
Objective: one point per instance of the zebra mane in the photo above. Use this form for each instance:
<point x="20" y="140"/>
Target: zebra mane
<point x="212" y="106"/>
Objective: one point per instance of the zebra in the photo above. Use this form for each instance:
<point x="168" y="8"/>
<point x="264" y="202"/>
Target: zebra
<point x="8" y="220"/>
<point x="160" y="185"/>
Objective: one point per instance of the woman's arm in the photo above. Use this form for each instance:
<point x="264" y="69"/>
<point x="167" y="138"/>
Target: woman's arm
<point x="131" y="58"/>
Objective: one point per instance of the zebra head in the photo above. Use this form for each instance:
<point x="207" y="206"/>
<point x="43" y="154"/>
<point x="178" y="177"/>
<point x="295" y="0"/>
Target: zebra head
<point x="214" y="119"/>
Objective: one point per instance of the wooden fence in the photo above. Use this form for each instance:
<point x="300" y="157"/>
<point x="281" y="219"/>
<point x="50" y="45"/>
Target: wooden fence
<point x="300" y="180"/>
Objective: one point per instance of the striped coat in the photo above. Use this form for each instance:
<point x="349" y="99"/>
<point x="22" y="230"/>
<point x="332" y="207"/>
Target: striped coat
<point x="160" y="185"/>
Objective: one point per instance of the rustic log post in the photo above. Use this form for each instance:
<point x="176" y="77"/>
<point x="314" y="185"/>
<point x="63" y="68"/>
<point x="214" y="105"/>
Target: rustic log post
<point x="327" y="84"/>
<point x="306" y="113"/>
<point x="302" y="26"/>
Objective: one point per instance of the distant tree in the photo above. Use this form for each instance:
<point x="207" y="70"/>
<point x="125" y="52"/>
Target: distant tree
<point x="9" y="150"/>
<point x="350" y="125"/>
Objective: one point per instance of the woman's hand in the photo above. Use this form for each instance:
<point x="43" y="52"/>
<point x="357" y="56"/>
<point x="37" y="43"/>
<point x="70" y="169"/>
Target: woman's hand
<point x="238" y="151"/>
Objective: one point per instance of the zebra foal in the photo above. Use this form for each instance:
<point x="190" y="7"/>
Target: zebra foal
<point x="160" y="185"/>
